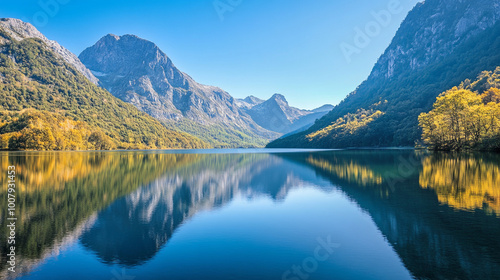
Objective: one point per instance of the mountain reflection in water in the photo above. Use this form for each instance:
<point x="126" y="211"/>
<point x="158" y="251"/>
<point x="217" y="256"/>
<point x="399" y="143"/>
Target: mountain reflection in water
<point x="439" y="212"/>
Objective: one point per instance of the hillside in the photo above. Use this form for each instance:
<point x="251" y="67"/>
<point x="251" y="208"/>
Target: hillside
<point x="439" y="44"/>
<point x="465" y="117"/>
<point x="20" y="30"/>
<point x="47" y="104"/>
<point x="138" y="72"/>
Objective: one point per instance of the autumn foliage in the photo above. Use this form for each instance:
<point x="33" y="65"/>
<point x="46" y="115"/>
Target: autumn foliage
<point x="465" y="117"/>
<point x="46" y="104"/>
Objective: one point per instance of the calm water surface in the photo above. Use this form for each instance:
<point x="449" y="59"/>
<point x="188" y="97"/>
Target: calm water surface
<point x="394" y="214"/>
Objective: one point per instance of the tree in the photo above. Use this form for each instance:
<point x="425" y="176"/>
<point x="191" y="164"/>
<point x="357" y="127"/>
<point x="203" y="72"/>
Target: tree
<point x="33" y="138"/>
<point x="491" y="95"/>
<point x="100" y="141"/>
<point x="461" y="119"/>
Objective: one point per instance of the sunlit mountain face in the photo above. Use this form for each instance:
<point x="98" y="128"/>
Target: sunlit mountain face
<point x="397" y="214"/>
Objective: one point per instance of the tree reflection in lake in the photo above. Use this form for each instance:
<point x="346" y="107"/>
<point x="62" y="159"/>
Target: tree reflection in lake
<point x="440" y="216"/>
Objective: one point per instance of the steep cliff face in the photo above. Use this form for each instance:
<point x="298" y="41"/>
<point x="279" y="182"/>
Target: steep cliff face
<point x="19" y="30"/>
<point x="440" y="44"/>
<point x="432" y="31"/>
<point x="137" y="71"/>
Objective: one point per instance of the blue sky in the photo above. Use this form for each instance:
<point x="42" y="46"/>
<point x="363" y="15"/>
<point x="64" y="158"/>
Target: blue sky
<point x="305" y="50"/>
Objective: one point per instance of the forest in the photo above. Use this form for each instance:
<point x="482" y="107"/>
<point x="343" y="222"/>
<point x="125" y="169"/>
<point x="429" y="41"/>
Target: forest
<point x="408" y="94"/>
<point x="465" y="117"/>
<point x="46" y="104"/>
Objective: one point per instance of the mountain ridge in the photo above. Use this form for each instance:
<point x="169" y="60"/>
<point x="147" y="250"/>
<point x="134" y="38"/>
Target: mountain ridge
<point x="138" y="72"/>
<point x="19" y="30"/>
<point x="47" y="104"/>
<point x="438" y="46"/>
<point x="276" y="114"/>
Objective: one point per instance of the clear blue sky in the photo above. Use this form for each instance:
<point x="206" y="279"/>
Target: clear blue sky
<point x="257" y="47"/>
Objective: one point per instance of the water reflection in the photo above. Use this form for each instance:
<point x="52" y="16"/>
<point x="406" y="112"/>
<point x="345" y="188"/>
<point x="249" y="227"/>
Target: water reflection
<point x="134" y="228"/>
<point x="437" y="211"/>
<point x="348" y="171"/>
<point x="464" y="181"/>
<point x="59" y="192"/>
<point x="435" y="240"/>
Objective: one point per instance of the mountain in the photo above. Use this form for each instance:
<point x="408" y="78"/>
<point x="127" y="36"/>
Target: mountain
<point x="19" y="30"/>
<point x="275" y="114"/>
<point x="440" y="44"/>
<point x="248" y="102"/>
<point x="325" y="108"/>
<point x="48" y="104"/>
<point x="138" y="72"/>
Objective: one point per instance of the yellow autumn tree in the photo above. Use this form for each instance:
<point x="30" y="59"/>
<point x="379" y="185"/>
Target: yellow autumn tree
<point x="461" y="119"/>
<point x="491" y="95"/>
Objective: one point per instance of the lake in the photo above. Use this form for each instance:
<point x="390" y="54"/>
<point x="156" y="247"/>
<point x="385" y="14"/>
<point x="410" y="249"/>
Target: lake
<point x="253" y="214"/>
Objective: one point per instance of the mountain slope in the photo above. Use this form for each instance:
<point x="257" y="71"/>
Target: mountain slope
<point x="275" y="114"/>
<point x="440" y="44"/>
<point x="138" y="72"/>
<point x="66" y="110"/>
<point x="325" y="108"/>
<point x="19" y="30"/>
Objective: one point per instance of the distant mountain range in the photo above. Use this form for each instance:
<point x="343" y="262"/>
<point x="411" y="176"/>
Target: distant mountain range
<point x="138" y="72"/>
<point x="57" y="87"/>
<point x="440" y="44"/>
<point x="276" y="115"/>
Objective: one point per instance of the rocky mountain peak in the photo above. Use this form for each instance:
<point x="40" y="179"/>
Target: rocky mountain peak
<point x="20" y="30"/>
<point x="425" y="36"/>
<point x="279" y="98"/>
<point x="253" y="100"/>
<point x="139" y="72"/>
<point x="276" y="114"/>
<point x="130" y="52"/>
<point x="112" y="36"/>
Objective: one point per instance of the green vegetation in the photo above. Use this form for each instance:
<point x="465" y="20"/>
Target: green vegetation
<point x="408" y="94"/>
<point x="465" y="117"/>
<point x="66" y="111"/>
<point x="347" y="125"/>
<point x="46" y="131"/>
<point x="219" y="136"/>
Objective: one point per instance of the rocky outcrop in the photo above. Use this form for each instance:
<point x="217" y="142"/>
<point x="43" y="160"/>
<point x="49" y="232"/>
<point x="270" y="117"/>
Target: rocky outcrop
<point x="432" y="31"/>
<point x="20" y="30"/>
<point x="248" y="102"/>
<point x="440" y="44"/>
